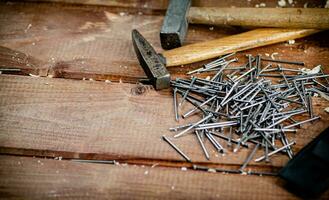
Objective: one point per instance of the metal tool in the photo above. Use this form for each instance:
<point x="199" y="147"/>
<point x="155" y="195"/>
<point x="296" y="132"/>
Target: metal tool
<point x="179" y="14"/>
<point x="155" y="64"/>
<point x="152" y="63"/>
<point x="175" y="24"/>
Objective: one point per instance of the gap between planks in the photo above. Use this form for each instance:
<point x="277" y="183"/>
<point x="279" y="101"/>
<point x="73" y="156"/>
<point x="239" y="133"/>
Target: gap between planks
<point x="96" y="120"/>
<point x="44" y="179"/>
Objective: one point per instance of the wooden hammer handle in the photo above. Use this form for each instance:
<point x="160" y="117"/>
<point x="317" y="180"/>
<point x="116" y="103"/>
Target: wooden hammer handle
<point x="317" y="18"/>
<point x="247" y="40"/>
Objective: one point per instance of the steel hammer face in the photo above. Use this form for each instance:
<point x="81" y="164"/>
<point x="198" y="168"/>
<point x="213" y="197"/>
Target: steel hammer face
<point x="175" y="24"/>
<point x="152" y="63"/>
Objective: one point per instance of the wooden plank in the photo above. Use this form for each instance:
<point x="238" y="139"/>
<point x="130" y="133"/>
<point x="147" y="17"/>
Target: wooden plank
<point x="47" y="179"/>
<point x="95" y="42"/>
<point x="78" y="42"/>
<point x="162" y="4"/>
<point x="97" y="120"/>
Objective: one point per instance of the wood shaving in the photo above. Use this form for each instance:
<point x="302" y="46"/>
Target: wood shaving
<point x="27" y="28"/>
<point x="326" y="109"/>
<point x="274" y="54"/>
<point x="184" y="169"/>
<point x="322" y="94"/>
<point x="315" y="70"/>
<point x="154" y="165"/>
<point x="282" y="3"/>
<point x="33" y="75"/>
<point x="211" y="170"/>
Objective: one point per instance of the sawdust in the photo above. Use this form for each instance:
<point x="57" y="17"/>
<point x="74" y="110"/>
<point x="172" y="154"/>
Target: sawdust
<point x="154" y="165"/>
<point x="88" y="38"/>
<point x="184" y="169"/>
<point x="33" y="75"/>
<point x="93" y="25"/>
<point x="282" y="3"/>
<point x="27" y="28"/>
<point x="326" y="109"/>
<point x="111" y="16"/>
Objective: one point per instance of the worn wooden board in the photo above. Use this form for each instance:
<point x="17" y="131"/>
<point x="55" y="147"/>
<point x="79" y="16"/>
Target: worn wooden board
<point x="39" y="178"/>
<point x="79" y="42"/>
<point x="162" y="4"/>
<point x="98" y="120"/>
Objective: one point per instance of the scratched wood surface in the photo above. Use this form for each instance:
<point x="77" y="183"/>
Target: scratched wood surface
<point x="44" y="116"/>
<point x="162" y="4"/>
<point x="46" y="179"/>
<point x="95" y="44"/>
<point x="98" y="120"/>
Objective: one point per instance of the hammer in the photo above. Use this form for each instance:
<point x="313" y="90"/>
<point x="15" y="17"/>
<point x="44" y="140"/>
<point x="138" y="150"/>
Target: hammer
<point x="155" y="64"/>
<point x="179" y="14"/>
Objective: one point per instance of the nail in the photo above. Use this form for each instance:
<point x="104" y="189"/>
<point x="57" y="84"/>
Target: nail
<point x="176" y="148"/>
<point x="194" y="125"/>
<point x="250" y="156"/>
<point x="180" y="127"/>
<point x="202" y="145"/>
<point x="215" y="142"/>
<point x="301" y="122"/>
<point x="187" y="91"/>
<point x="284" y="61"/>
<point x="275" y="151"/>
<point x="194" y="109"/>
<point x="175" y="105"/>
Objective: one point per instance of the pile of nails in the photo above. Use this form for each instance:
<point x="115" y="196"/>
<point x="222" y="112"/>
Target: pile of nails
<point x="241" y="105"/>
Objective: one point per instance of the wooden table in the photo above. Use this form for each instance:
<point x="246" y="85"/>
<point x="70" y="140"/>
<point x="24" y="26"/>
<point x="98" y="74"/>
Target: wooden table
<point x="73" y="99"/>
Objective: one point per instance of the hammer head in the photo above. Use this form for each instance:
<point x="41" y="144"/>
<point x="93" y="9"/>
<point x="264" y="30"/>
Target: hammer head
<point x="175" y="24"/>
<point x="152" y="63"/>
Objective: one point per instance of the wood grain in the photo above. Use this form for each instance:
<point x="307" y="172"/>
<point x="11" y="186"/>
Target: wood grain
<point x="39" y="178"/>
<point x="235" y="43"/>
<point x="313" y="18"/>
<point x="98" y="120"/>
<point x="75" y="41"/>
<point x="162" y="4"/>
